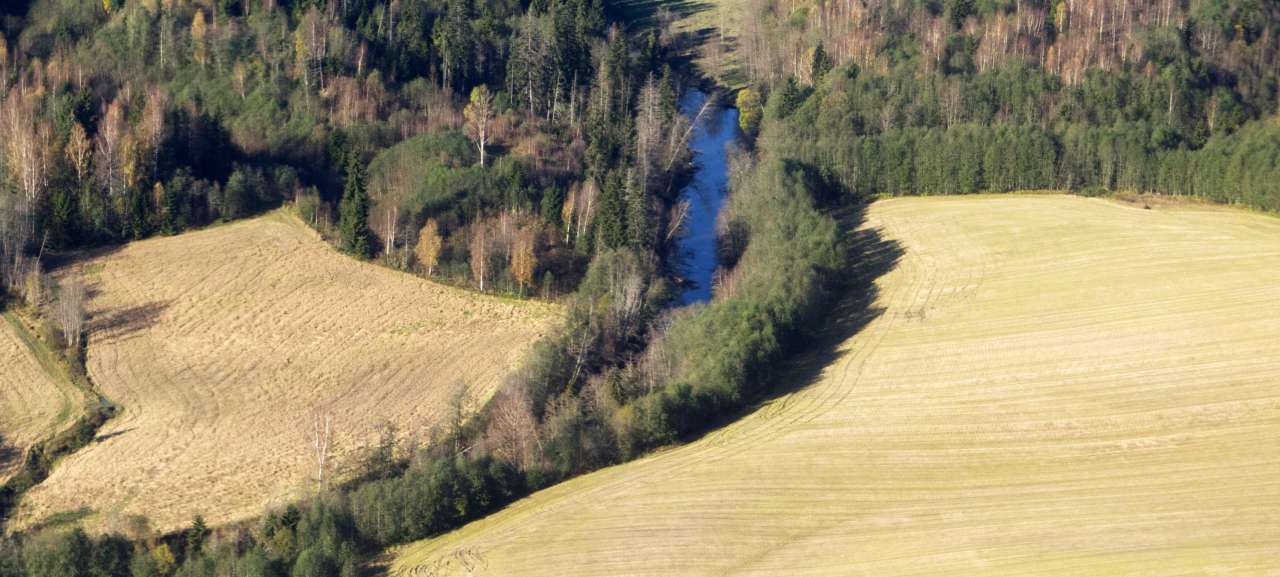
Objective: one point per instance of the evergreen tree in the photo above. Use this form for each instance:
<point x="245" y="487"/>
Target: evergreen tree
<point x="820" y="65"/>
<point x="612" y="218"/>
<point x="196" y="536"/>
<point x="789" y="98"/>
<point x="455" y="42"/>
<point x="353" y="224"/>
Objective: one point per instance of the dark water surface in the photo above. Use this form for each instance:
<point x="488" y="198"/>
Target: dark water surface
<point x="712" y="137"/>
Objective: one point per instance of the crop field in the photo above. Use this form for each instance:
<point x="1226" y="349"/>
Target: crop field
<point x="33" y="404"/>
<point x="221" y="346"/>
<point x="1044" y="385"/>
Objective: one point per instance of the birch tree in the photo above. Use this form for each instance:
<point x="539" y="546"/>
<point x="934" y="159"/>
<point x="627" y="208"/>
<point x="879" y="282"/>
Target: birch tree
<point x="26" y="146"/>
<point x="321" y="436"/>
<point x="429" y="244"/>
<point x="523" y="258"/>
<point x="110" y="150"/>
<point x="479" y="249"/>
<point x="79" y="150"/>
<point x="479" y="115"/>
<point x="71" y="310"/>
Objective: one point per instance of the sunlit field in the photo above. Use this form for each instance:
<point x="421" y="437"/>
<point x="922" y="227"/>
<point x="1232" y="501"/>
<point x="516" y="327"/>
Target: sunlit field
<point x="1049" y="385"/>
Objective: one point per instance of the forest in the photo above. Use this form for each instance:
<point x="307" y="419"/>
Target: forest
<point x="1174" y="98"/>
<point x="535" y="148"/>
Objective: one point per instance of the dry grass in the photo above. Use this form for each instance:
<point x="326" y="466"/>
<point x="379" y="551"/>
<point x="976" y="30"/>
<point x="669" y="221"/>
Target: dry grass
<point x="219" y="344"/>
<point x="33" y="404"/>
<point x="1054" y="386"/>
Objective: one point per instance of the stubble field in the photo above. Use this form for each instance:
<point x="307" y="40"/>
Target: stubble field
<point x="33" y="404"/>
<point x="1046" y="385"/>
<point x="220" y="346"/>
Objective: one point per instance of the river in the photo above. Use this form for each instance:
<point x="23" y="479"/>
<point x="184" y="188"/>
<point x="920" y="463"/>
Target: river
<point x="712" y="137"/>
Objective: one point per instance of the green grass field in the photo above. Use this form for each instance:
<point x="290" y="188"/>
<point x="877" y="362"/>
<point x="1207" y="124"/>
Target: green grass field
<point x="1050" y="385"/>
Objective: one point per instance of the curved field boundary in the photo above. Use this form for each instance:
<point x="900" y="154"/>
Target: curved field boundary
<point x="220" y="346"/>
<point x="1050" y="386"/>
<point x="37" y="400"/>
<point x="29" y="398"/>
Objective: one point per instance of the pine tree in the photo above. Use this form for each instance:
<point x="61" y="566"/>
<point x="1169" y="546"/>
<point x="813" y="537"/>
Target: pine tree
<point x="821" y="64"/>
<point x="453" y="39"/>
<point x="353" y="224"/>
<point x="196" y="536"/>
<point x="611" y="221"/>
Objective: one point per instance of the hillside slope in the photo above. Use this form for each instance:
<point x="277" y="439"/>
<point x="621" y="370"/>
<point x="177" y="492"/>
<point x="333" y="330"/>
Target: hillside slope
<point x="33" y="405"/>
<point x="1051" y="386"/>
<point x="220" y="345"/>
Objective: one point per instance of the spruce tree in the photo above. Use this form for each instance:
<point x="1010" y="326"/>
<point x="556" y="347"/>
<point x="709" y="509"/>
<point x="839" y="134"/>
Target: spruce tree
<point x="611" y="220"/>
<point x="821" y="64"/>
<point x="353" y="224"/>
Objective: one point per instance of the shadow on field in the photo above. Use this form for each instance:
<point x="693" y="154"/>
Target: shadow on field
<point x="125" y="321"/>
<point x="8" y="454"/>
<point x="644" y="13"/>
<point x="851" y="306"/>
<point x="111" y="435"/>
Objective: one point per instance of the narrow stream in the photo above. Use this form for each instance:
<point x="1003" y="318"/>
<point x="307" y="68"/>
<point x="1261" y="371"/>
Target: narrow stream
<point x="712" y="136"/>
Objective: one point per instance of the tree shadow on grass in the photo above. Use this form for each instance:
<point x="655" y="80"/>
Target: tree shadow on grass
<point x="8" y="454"/>
<point x="642" y="14"/>
<point x="852" y="306"/>
<point x="111" y="435"/>
<point x="126" y="321"/>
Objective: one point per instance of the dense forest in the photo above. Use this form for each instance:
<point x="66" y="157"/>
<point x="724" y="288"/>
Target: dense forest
<point x="147" y="118"/>
<point x="968" y="96"/>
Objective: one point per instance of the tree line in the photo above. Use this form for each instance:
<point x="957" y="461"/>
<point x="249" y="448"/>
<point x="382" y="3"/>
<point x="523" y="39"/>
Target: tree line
<point x="1171" y="113"/>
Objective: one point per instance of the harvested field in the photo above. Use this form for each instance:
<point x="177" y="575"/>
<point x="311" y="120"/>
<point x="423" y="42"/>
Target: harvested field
<point x="1045" y="385"/>
<point x="220" y="345"/>
<point x="33" y="404"/>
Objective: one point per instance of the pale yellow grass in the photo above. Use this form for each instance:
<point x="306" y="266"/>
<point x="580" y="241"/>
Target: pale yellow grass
<point x="33" y="404"/>
<point x="1054" y="386"/>
<point x="219" y="344"/>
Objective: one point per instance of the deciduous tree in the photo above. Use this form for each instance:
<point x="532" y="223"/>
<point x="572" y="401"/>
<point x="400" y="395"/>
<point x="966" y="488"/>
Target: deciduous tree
<point x="479" y="114"/>
<point x="26" y="145"/>
<point x="479" y="249"/>
<point x="199" y="28"/>
<point x="109" y="144"/>
<point x="78" y="151"/>
<point x="71" y="309"/>
<point x="523" y="257"/>
<point x="321" y="437"/>
<point x="429" y="245"/>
